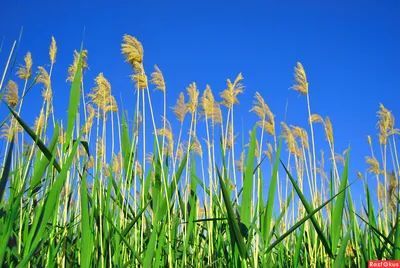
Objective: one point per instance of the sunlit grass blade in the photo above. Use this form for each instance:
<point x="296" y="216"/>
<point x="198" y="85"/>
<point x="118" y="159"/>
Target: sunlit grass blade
<point x="233" y="223"/>
<point x="245" y="214"/>
<point x="303" y="220"/>
<point x="74" y="100"/>
<point x="36" y="139"/>
<point x="338" y="208"/>
<point x="86" y="244"/>
<point x="309" y="210"/>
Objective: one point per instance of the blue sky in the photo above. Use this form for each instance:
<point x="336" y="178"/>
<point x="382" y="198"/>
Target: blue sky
<point x="350" y="52"/>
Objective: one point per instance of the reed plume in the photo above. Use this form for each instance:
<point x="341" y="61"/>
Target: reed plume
<point x="11" y="95"/>
<point x="25" y="71"/>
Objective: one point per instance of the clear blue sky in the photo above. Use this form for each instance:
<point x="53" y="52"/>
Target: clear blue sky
<point x="350" y="51"/>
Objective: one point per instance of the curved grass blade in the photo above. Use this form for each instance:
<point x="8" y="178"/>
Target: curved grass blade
<point x="299" y="223"/>
<point x="36" y="139"/>
<point x="233" y="224"/>
<point x="86" y="241"/>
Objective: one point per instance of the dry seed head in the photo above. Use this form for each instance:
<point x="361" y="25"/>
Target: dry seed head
<point x="90" y="163"/>
<point x="359" y="175"/>
<point x="132" y="49"/>
<point x="385" y="123"/>
<point x="230" y="139"/>
<point x="100" y="146"/>
<point x="301" y="79"/>
<point x="381" y="191"/>
<point x="339" y="158"/>
<point x="179" y="152"/>
<point x="117" y="164"/>
<point x="138" y="168"/>
<point x="53" y="50"/>
<point x="193" y="94"/>
<point x="208" y="103"/>
<point x="11" y="96"/>
<point x="240" y="163"/>
<point x="140" y="80"/>
<point x="180" y="108"/>
<point x="8" y="131"/>
<point x="39" y="122"/>
<point x="44" y="79"/>
<point x="328" y="129"/>
<point x="316" y="118"/>
<point x="25" y="72"/>
<point x="290" y="140"/>
<point x="301" y="133"/>
<point x="260" y="108"/>
<point x="101" y="93"/>
<point x="233" y="89"/>
<point x="392" y="191"/>
<point x="74" y="66"/>
<point x="196" y="147"/>
<point x="373" y="165"/>
<point x="157" y="79"/>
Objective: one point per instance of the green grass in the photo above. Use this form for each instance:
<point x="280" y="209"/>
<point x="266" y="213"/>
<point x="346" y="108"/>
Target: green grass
<point x="81" y="199"/>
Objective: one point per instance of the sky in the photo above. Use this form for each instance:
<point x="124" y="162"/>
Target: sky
<point x="349" y="49"/>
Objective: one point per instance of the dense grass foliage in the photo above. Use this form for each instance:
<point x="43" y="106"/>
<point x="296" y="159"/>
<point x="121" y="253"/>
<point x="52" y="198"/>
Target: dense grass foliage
<point x="100" y="191"/>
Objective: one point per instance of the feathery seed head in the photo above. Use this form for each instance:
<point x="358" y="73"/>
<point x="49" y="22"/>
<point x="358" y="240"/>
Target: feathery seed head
<point x="140" y="80"/>
<point x="53" y="50"/>
<point x="291" y="143"/>
<point x="302" y="134"/>
<point x="193" y="94"/>
<point x="233" y="89"/>
<point x="301" y="80"/>
<point x="25" y="72"/>
<point x="74" y="66"/>
<point x="369" y="140"/>
<point x="180" y="109"/>
<point x="132" y="49"/>
<point x="11" y="95"/>
<point x="328" y="129"/>
<point x="158" y="79"/>
<point x="316" y="118"/>
<point x="385" y="123"/>
<point x="373" y="165"/>
<point x="44" y="79"/>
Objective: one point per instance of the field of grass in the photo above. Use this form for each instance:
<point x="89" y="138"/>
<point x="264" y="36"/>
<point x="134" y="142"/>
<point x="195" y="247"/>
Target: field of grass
<point x="98" y="191"/>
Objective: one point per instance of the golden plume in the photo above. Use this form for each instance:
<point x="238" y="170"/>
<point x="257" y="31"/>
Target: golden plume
<point x="132" y="49"/>
<point x="53" y="50"/>
<point x="158" y="79"/>
<point x="301" y="133"/>
<point x="25" y="72"/>
<point x="193" y="94"/>
<point x="233" y="89"/>
<point x="385" y="123"/>
<point x="44" y="79"/>
<point x="291" y="143"/>
<point x="11" y="95"/>
<point x="301" y="79"/>
<point x="180" y="109"/>
<point x="74" y="66"/>
<point x="373" y="165"/>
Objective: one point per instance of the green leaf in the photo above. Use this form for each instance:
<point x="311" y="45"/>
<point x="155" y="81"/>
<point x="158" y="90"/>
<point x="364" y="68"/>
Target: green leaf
<point x="74" y="100"/>
<point x="338" y="209"/>
<point x="86" y="241"/>
<point x="36" y="139"/>
<point x="245" y="212"/>
<point x="310" y="210"/>
<point x="6" y="171"/>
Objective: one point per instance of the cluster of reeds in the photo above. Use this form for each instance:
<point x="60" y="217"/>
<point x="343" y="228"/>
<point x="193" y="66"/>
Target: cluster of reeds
<point x="91" y="192"/>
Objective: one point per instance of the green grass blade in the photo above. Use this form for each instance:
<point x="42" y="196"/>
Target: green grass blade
<point x="309" y="210"/>
<point x="338" y="209"/>
<point x="6" y="171"/>
<point x="303" y="220"/>
<point x="233" y="223"/>
<point x="245" y="212"/>
<point x="74" y="100"/>
<point x="36" y="139"/>
<point x="86" y="239"/>
<point x="271" y="194"/>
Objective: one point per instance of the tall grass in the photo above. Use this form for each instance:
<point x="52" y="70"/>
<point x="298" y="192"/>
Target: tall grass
<point x="80" y="198"/>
